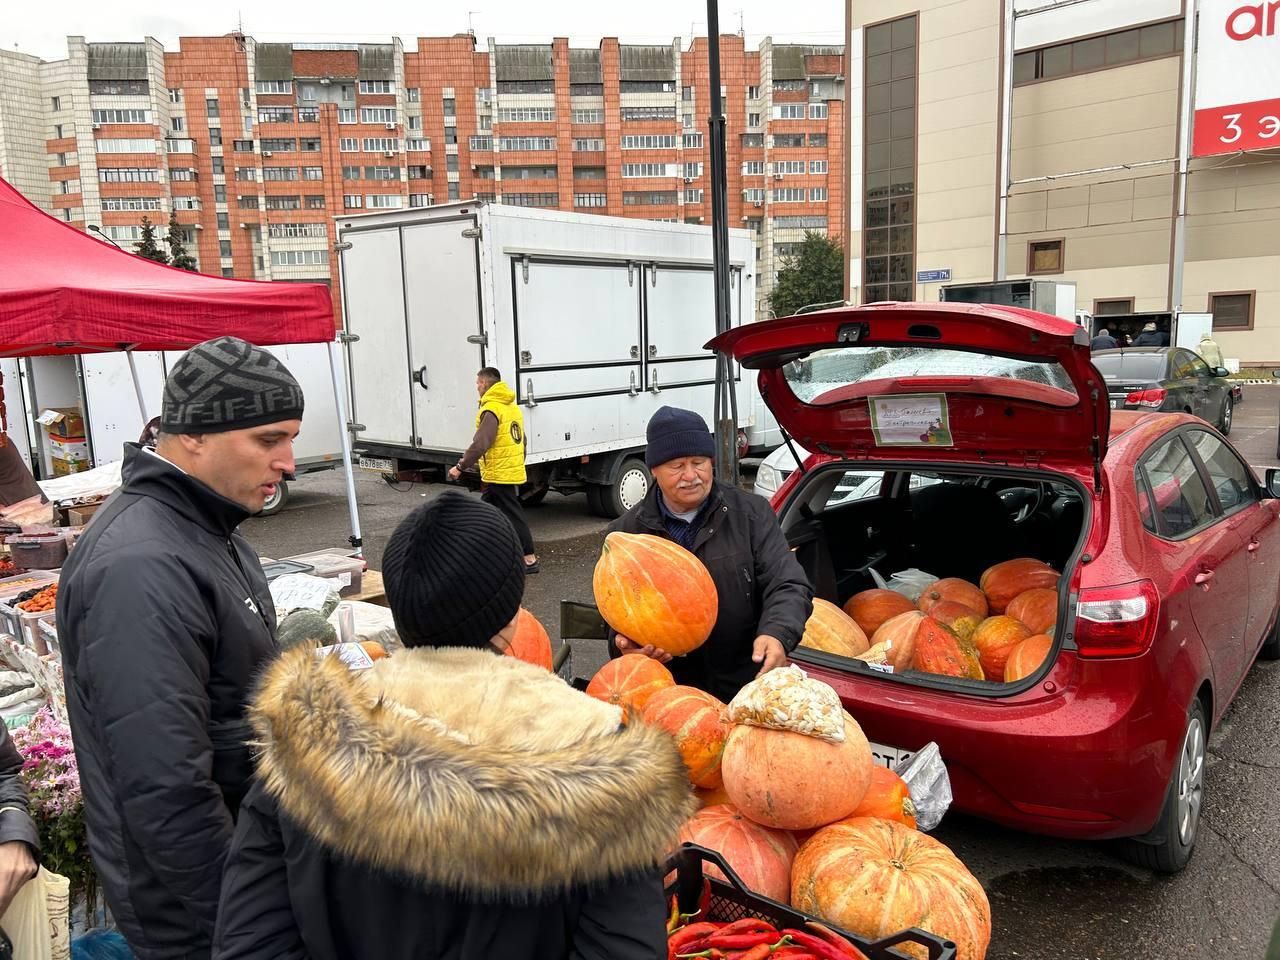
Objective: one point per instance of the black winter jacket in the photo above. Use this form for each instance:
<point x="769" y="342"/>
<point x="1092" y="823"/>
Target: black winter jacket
<point x="448" y="805"/>
<point x="761" y="586"/>
<point x="164" y="618"/>
<point x="15" y="822"/>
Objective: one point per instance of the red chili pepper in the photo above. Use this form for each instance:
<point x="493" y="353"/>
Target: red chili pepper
<point x="684" y="939"/>
<point x="741" y="941"/>
<point x="833" y="938"/>
<point x="824" y="950"/>
<point x="760" y="951"/>
<point x="749" y="925"/>
<point x="794" y="953"/>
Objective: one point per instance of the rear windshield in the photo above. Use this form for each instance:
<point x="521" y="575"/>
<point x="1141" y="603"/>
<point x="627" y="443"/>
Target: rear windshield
<point x="819" y="378"/>
<point x="1130" y="366"/>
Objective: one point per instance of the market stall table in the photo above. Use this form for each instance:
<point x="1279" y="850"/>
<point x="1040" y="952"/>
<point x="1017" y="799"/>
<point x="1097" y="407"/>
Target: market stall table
<point x="371" y="589"/>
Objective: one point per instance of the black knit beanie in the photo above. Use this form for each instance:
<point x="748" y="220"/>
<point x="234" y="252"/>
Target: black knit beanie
<point x="228" y="384"/>
<point x="674" y="433"/>
<point x="454" y="573"/>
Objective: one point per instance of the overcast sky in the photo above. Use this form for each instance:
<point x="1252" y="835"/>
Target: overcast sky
<point x="33" y="28"/>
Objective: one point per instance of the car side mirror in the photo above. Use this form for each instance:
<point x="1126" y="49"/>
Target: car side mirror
<point x="1276" y="373"/>
<point x="1273" y="482"/>
<point x="1224" y="372"/>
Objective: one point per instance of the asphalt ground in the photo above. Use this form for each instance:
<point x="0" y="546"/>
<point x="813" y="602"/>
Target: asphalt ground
<point x="1051" y="899"/>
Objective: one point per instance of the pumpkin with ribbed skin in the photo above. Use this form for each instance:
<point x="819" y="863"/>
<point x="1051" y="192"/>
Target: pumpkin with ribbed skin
<point x="699" y="724"/>
<point x="654" y="592"/>
<point x="630" y="681"/>
<point x="1005" y="581"/>
<point x="531" y="642"/>
<point x="995" y="639"/>
<point x="897" y="637"/>
<point x="888" y="798"/>
<point x="1027" y="657"/>
<point x="712" y="797"/>
<point x="955" y="590"/>
<point x="759" y="855"/>
<point x="791" y="781"/>
<point x="939" y="651"/>
<point x="957" y="618"/>
<point x="1037" y="608"/>
<point x="871" y="608"/>
<point x="875" y="877"/>
<point x="832" y="630"/>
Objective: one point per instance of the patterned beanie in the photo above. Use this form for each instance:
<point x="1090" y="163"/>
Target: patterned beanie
<point x="228" y="384"/>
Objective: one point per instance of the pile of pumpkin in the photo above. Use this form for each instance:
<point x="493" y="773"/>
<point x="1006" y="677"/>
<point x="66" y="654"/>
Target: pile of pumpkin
<point x="806" y="821"/>
<point x="999" y="630"/>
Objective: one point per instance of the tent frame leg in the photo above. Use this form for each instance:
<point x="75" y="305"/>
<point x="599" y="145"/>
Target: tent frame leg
<point x="137" y="390"/>
<point x="337" y="374"/>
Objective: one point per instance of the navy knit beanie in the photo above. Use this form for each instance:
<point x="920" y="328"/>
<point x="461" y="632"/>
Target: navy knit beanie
<point x="674" y="433"/>
<point x="454" y="573"/>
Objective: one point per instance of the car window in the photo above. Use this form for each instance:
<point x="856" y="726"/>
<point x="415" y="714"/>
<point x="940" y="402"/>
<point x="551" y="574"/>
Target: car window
<point x="1180" y="366"/>
<point x="1227" y="472"/>
<point x="1127" y="365"/>
<point x="1181" y="501"/>
<point x="1198" y="367"/>
<point x="1145" y="510"/>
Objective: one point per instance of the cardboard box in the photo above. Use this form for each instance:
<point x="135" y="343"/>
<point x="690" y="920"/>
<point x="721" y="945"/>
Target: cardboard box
<point x="62" y="422"/>
<point x="70" y="449"/>
<point x="81" y="515"/>
<point x="64" y="468"/>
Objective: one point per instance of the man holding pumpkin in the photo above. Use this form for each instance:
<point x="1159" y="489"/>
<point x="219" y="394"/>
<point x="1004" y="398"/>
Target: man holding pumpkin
<point x="763" y="594"/>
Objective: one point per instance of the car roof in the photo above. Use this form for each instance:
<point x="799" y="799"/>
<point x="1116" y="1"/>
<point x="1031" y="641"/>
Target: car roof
<point x="1118" y="351"/>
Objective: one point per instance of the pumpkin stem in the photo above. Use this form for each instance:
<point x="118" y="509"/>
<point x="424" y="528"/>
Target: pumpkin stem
<point x="898" y="863"/>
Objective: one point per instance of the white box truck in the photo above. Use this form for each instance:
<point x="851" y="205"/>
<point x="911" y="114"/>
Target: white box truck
<point x="595" y="321"/>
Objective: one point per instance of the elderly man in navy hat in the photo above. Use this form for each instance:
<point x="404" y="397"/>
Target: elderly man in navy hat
<point x="764" y="596"/>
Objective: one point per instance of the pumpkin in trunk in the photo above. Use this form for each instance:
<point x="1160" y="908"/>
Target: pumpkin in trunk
<point x="995" y="639"/>
<point x="832" y="630"/>
<point x="630" y="681"/>
<point x="938" y="650"/>
<point x="759" y="855"/>
<point x="791" y="781"/>
<point x="897" y="639"/>
<point x="956" y="617"/>
<point x="1027" y="657"/>
<point x="654" y="592"/>
<point x="875" y="877"/>
<point x="698" y="722"/>
<point x="955" y="590"/>
<point x="888" y="798"/>
<point x="1037" y="608"/>
<point x="871" y="608"/>
<point x="1003" y="582"/>
<point x="531" y="642"/>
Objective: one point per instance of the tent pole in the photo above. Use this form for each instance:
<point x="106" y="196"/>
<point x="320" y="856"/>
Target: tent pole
<point x="137" y="390"/>
<point x="339" y="397"/>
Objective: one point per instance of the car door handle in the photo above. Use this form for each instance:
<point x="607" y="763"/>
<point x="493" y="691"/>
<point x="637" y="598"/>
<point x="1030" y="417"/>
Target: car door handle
<point x="420" y="377"/>
<point x="1253" y="546"/>
<point x="1204" y="576"/>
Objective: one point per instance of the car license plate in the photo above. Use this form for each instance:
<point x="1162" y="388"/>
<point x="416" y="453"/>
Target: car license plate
<point x="377" y="464"/>
<point x="1115" y="404"/>
<point x="889" y="756"/>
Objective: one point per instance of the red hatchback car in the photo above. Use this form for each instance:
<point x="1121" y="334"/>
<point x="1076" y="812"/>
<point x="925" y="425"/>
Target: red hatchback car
<point x="952" y="437"/>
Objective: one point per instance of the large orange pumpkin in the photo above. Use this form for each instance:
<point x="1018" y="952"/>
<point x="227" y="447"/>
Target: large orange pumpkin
<point x="955" y="590"/>
<point x="530" y="643"/>
<point x="995" y="639"/>
<point x="1005" y="581"/>
<point x="888" y="798"/>
<point x="875" y="877"/>
<point x="832" y="630"/>
<point x="1027" y="657"/>
<point x="958" y="618"/>
<point x="938" y="650"/>
<point x="898" y="636"/>
<point x="630" y="681"/>
<point x="759" y="855"/>
<point x="871" y="608"/>
<point x="654" y="591"/>
<point x="698" y="722"/>
<point x="791" y="781"/>
<point x="1037" y="608"/>
<point x="713" y="797"/>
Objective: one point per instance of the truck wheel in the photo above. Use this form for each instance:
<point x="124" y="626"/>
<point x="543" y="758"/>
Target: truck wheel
<point x="531" y="496"/>
<point x="276" y="503"/>
<point x="629" y="486"/>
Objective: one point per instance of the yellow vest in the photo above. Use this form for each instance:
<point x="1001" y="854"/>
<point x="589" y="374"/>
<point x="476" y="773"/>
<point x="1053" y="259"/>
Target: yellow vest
<point x="504" y="461"/>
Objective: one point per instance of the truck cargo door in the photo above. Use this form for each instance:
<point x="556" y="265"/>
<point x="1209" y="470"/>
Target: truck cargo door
<point x="111" y="402"/>
<point x="680" y="317"/>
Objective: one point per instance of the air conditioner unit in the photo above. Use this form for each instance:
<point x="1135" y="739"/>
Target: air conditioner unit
<point x="389" y="153"/>
<point x="391" y="126"/>
<point x="97" y="126"/>
<point x="267" y="153"/>
<point x="688" y="179"/>
<point x="777" y="176"/>
<point x="759" y="203"/>
<point x="325" y="81"/>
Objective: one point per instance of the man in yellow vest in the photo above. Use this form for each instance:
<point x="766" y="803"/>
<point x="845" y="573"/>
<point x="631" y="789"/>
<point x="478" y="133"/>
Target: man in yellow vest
<point x="498" y="446"/>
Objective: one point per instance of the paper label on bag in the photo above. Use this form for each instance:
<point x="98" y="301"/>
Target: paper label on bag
<point x="352" y="654"/>
<point x="880" y="667"/>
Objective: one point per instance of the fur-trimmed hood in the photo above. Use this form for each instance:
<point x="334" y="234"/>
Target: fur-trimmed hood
<point x="469" y="771"/>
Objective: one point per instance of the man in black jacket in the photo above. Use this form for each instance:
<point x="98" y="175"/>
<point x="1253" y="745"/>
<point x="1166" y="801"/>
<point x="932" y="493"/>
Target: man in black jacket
<point x="450" y="803"/>
<point x="764" y="596"/>
<point x="164" y="618"/>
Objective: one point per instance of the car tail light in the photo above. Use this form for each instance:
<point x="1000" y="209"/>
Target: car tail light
<point x="1147" y="398"/>
<point x="1117" y="621"/>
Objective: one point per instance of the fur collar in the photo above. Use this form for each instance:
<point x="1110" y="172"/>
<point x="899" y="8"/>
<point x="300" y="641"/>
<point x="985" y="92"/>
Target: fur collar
<point x="473" y="772"/>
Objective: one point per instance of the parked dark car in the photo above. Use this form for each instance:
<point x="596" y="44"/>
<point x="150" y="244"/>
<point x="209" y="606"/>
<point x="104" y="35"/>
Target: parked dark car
<point x="1170" y="379"/>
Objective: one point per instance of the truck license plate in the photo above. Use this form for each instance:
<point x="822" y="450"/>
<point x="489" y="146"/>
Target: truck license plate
<point x="1115" y="404"/>
<point x="377" y="464"/>
<point x="889" y="756"/>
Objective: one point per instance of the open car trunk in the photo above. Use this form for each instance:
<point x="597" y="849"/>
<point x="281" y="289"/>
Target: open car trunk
<point x="847" y="518"/>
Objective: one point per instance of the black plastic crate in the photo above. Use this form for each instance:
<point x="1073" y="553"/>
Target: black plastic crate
<point x="733" y="901"/>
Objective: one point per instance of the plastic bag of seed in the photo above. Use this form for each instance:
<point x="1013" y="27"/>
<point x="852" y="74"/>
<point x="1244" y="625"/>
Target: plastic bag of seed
<point x="789" y="699"/>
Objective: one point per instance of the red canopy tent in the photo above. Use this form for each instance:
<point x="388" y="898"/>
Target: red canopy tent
<point x="63" y="292"/>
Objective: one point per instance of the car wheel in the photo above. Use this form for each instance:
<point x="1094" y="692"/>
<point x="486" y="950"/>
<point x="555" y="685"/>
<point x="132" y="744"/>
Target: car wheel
<point x="1270" y="649"/>
<point x="1224" y="424"/>
<point x="277" y="501"/>
<point x="1168" y="847"/>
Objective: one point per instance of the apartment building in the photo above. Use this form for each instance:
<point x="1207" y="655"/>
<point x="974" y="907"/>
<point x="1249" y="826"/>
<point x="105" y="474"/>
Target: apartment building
<point x="1093" y="91"/>
<point x="258" y="147"/>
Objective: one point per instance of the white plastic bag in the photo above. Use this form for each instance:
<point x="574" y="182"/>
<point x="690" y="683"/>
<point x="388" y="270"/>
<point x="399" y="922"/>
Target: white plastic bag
<point x="38" y="920"/>
<point x="927" y="779"/>
<point x="301" y="591"/>
<point x="787" y="699"/>
<point x="910" y="583"/>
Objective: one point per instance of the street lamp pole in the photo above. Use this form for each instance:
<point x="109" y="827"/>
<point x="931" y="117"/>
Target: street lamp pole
<point x="94" y="228"/>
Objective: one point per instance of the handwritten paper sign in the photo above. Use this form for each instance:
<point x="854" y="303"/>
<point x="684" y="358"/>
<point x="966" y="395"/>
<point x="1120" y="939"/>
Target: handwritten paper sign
<point x="911" y="421"/>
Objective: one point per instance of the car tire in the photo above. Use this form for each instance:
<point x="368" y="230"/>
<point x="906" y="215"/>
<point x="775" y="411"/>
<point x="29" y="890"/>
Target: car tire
<point x="1224" y="423"/>
<point x="1270" y="649"/>
<point x="1169" y="845"/>
<point x="275" y="504"/>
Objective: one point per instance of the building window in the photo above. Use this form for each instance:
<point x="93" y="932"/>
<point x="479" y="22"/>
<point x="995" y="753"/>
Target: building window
<point x="128" y="175"/>
<point x="1097" y="53"/>
<point x="117" y="88"/>
<point x="417" y="145"/>
<point x="693" y="195"/>
<point x="1110" y="308"/>
<point x="889" y="102"/>
<point x="128" y="146"/>
<point x="753" y="119"/>
<point x="309" y="145"/>
<point x="382" y="201"/>
<point x="215" y="136"/>
<point x="130" y="203"/>
<point x="315" y="202"/>
<point x="1232" y="311"/>
<point x="649" y="142"/>
<point x="788" y="111"/>
<point x="275" y="115"/>
<point x="691" y="141"/>
<point x="450" y="134"/>
<point x="419" y="172"/>
<point x="590" y="200"/>
<point x="55" y="103"/>
<point x="753" y="139"/>
<point x="529" y="173"/>
<point x="177" y="124"/>
<point x="219" y="193"/>
<point x="224" y="248"/>
<point x="531" y="199"/>
<point x="182" y="173"/>
<point x="788" y="139"/>
<point x="309" y="92"/>
<point x="589" y="173"/>
<point x="378" y="115"/>
<point x="352" y="201"/>
<point x="753" y="168"/>
<point x="242" y="146"/>
<point x="375" y="86"/>
<point x="212" y="108"/>
<point x="484" y="122"/>
<point x="450" y="107"/>
<point x="175" y="94"/>
<point x="219" y="165"/>
<point x="526" y="143"/>
<point x="299" y="258"/>
<point x="349" y="144"/>
<point x="484" y="173"/>
<point x="247" y="125"/>
<point x="414" y="123"/>
<point x="817" y="166"/>
<point x="275" y="86"/>
<point x="753" y="93"/>
<point x="586" y="90"/>
<point x="588" y="145"/>
<point x="692" y="171"/>
<point x="586" y="116"/>
<point x="817" y="139"/>
<point x="382" y="173"/>
<point x="529" y="115"/>
<point x="1046" y="256"/>
<point x="455" y="192"/>
<point x="351" y="173"/>
<point x="649" y="198"/>
<point x="247" y="203"/>
<point x="801" y="223"/>
<point x="788" y="167"/>
<point x="347" y="115"/>
<point x="641" y="170"/>
<point x="817" y="194"/>
<point x="788" y="195"/>
<point x="817" y="111"/>
<point x="279" y="173"/>
<point x="687" y="121"/>
<point x="419" y="199"/>
<point x="482" y="144"/>
<point x="291" y="231"/>
<point x="186" y="203"/>
<point x="413" y="94"/>
<point x="283" y="203"/>
<point x="646" y="86"/>
<point x="381" y="145"/>
<point x="686" y="94"/>
<point x="121" y="116"/>
<point x="648" y="113"/>
<point x="224" y="221"/>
